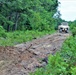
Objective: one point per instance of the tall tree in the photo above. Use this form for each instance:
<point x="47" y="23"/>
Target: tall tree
<point x="27" y="14"/>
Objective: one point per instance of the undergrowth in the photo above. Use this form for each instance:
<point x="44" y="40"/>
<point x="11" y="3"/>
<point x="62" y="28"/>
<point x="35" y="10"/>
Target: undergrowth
<point x="17" y="37"/>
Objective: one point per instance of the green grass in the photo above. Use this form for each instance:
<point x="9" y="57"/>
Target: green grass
<point x="17" y="37"/>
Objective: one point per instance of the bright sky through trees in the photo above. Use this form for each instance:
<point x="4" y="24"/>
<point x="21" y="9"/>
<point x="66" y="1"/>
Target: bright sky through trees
<point x="67" y="9"/>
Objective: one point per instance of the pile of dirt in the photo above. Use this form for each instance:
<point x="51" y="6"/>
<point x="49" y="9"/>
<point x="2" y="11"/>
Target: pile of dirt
<point x="25" y="58"/>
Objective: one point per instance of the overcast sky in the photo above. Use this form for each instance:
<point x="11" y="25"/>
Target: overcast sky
<point x="68" y="9"/>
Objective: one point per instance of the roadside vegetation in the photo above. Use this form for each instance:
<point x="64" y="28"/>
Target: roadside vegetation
<point x="17" y="37"/>
<point x="28" y="14"/>
<point x="64" y="61"/>
<point x="24" y="20"/>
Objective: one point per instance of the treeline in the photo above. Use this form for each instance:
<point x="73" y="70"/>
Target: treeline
<point x="28" y="14"/>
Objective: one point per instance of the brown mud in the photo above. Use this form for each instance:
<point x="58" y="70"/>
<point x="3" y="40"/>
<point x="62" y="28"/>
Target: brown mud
<point x="26" y="57"/>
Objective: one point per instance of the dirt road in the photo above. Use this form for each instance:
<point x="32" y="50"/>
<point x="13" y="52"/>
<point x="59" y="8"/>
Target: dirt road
<point x="25" y="58"/>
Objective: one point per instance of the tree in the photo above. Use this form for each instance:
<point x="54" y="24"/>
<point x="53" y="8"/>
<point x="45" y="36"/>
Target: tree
<point x="27" y="14"/>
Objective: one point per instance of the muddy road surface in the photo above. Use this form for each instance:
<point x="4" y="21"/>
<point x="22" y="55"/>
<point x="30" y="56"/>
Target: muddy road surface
<point x="25" y="58"/>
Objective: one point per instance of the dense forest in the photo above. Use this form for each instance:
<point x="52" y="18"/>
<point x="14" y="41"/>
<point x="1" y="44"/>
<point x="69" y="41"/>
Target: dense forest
<point x="28" y="14"/>
<point x="24" y="20"/>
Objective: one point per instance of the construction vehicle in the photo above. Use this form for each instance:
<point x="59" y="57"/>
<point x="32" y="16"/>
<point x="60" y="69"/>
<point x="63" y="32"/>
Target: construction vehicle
<point x="64" y="27"/>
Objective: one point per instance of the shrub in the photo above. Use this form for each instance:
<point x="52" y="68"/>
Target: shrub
<point x="63" y="62"/>
<point x="74" y="31"/>
<point x="2" y="32"/>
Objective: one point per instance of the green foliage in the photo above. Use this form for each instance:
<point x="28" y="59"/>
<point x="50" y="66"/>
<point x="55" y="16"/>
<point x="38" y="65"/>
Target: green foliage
<point x="63" y="62"/>
<point x="73" y="27"/>
<point x="72" y="24"/>
<point x="28" y="14"/>
<point x="68" y="50"/>
<point x="55" y="66"/>
<point x="74" y="31"/>
<point x="17" y="37"/>
<point x="2" y="32"/>
<point x="73" y="70"/>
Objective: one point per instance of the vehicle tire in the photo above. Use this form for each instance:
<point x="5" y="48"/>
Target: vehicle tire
<point x="67" y="31"/>
<point x="60" y="30"/>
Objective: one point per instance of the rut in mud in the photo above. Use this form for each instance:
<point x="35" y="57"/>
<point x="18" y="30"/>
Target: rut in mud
<point x="25" y="58"/>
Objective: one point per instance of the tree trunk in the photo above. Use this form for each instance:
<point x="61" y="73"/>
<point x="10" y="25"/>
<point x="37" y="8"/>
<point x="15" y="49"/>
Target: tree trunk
<point x="9" y="18"/>
<point x="16" y="21"/>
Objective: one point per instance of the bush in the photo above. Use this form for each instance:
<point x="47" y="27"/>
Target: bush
<point x="2" y="32"/>
<point x="74" y="31"/>
<point x="17" y="37"/>
<point x="63" y="62"/>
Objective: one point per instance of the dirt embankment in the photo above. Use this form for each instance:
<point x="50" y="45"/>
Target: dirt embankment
<point x="24" y="58"/>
